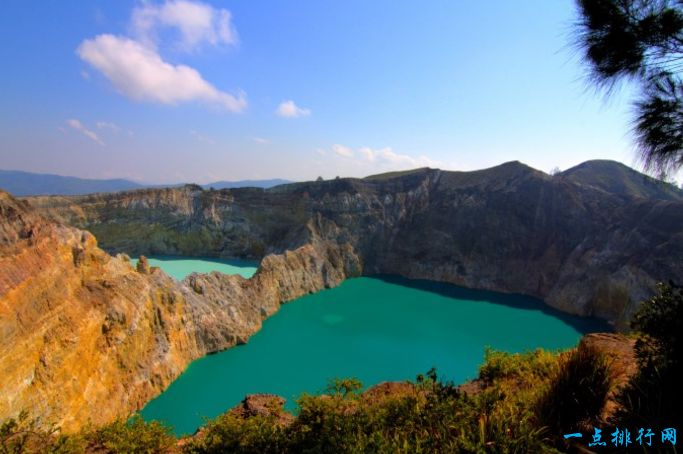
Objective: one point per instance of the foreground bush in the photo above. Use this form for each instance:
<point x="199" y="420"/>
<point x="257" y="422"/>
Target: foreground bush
<point x="576" y="394"/>
<point x="428" y="416"/>
<point x="21" y="436"/>
<point x="654" y="398"/>
<point x="520" y="403"/>
<point x="133" y="436"/>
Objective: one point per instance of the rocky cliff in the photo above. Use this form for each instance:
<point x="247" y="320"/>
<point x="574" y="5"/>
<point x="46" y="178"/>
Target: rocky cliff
<point x="591" y="241"/>
<point x="86" y="338"/>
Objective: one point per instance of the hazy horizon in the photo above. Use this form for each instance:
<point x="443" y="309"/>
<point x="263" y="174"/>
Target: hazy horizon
<point x="179" y="182"/>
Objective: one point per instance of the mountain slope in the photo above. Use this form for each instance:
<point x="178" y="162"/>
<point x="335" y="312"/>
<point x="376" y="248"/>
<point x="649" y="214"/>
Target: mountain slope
<point x="583" y="249"/>
<point x="26" y="183"/>
<point x="246" y="184"/>
<point x="21" y="183"/>
<point x="86" y="338"/>
<point x="616" y="178"/>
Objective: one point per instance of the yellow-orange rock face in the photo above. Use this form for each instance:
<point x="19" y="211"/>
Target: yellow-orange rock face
<point x="85" y="338"/>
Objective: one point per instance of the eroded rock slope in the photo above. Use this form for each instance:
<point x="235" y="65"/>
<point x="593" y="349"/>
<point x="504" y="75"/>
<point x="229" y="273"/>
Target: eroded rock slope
<point x="590" y="241"/>
<point x="85" y="338"/>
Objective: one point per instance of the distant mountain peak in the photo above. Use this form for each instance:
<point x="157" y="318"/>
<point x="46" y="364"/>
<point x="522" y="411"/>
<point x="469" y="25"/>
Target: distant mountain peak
<point x="620" y="179"/>
<point x="399" y="173"/>
<point x="20" y="183"/>
<point x="246" y="184"/>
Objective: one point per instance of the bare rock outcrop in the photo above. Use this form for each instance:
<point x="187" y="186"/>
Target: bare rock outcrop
<point x="86" y="338"/>
<point x="593" y="240"/>
<point x="268" y="405"/>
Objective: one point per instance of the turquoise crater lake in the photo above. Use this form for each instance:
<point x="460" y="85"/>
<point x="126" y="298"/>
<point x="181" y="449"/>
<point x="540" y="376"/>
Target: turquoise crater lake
<point x="375" y="329"/>
<point x="180" y="267"/>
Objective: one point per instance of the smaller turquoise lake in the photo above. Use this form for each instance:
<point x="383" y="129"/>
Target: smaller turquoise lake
<point x="375" y="329"/>
<point x="180" y="267"/>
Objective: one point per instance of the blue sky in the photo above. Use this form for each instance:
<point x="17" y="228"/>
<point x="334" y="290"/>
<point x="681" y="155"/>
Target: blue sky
<point x="167" y="91"/>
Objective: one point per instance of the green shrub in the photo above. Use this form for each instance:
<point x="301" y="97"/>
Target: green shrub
<point x="433" y="418"/>
<point x="577" y="392"/>
<point x="529" y="365"/>
<point x="132" y="436"/>
<point x="21" y="435"/>
<point x="344" y="387"/>
<point x="229" y="433"/>
<point x="653" y="397"/>
<point x="429" y="416"/>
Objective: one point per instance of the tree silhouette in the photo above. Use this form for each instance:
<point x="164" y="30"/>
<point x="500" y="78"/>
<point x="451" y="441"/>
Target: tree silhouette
<point x="641" y="40"/>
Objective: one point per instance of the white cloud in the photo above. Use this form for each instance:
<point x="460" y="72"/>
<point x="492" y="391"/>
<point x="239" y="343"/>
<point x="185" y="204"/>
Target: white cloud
<point x="201" y="137"/>
<point x="387" y="155"/>
<point x="197" y="23"/>
<point x="368" y="153"/>
<point x="108" y="125"/>
<point x="366" y="159"/>
<point x="288" y="109"/>
<point x="341" y="150"/>
<point x="140" y="73"/>
<point x="260" y="140"/>
<point x="112" y="127"/>
<point x="78" y="126"/>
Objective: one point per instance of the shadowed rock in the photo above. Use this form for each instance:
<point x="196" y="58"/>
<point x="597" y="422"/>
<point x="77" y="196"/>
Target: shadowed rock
<point x="592" y="240"/>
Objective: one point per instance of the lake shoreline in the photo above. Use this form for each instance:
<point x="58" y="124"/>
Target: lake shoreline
<point x="281" y="330"/>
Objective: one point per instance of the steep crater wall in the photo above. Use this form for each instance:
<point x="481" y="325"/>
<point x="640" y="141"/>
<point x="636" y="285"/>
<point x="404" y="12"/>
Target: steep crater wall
<point x="591" y="241"/>
<point x="87" y="339"/>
